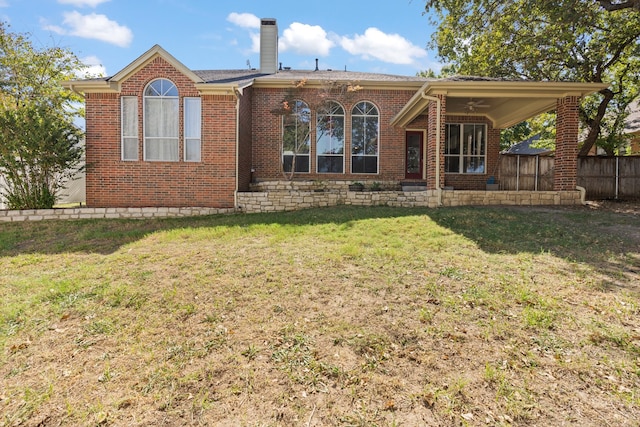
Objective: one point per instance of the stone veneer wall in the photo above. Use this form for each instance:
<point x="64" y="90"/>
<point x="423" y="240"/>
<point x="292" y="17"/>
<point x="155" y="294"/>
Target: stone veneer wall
<point x="290" y="195"/>
<point x="99" y="213"/>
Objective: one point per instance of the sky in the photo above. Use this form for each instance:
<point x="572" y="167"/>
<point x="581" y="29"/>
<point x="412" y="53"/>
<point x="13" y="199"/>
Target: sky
<point x="381" y="36"/>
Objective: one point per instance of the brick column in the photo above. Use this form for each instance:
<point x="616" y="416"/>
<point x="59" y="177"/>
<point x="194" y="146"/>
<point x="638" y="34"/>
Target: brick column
<point x="566" y="159"/>
<point x="432" y="127"/>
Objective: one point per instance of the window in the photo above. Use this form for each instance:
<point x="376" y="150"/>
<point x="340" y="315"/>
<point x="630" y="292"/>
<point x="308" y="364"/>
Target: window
<point x="296" y="133"/>
<point x="192" y="129"/>
<point x="465" y="148"/>
<point x="364" y="138"/>
<point x="161" y="121"/>
<point x="129" y="147"/>
<point x="330" y="139"/>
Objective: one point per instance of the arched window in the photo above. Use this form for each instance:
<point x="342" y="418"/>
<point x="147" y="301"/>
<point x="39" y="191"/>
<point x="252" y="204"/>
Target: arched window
<point x="161" y="121"/>
<point x="365" y="126"/>
<point x="330" y="139"/>
<point x="296" y="137"/>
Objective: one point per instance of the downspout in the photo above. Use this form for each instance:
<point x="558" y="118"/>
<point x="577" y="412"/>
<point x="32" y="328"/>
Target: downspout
<point x="237" y="93"/>
<point x="438" y="132"/>
<point x="74" y="90"/>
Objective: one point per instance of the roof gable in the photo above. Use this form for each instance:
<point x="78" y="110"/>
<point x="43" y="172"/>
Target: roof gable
<point x="147" y="57"/>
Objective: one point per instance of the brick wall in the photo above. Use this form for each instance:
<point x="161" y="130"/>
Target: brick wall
<point x="112" y="182"/>
<point x="245" y="140"/>
<point x="267" y="133"/>
<point x="566" y="156"/>
<point x="432" y="131"/>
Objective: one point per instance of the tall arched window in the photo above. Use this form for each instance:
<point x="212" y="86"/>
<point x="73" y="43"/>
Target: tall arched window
<point x="296" y="137"/>
<point x="330" y="139"/>
<point x="161" y="121"/>
<point x="364" y="138"/>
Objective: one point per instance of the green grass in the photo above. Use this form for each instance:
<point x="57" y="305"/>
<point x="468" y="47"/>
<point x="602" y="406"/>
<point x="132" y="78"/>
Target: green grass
<point x="338" y="316"/>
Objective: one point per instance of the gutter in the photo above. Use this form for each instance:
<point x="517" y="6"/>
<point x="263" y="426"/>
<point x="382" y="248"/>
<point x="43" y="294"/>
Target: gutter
<point x="438" y="132"/>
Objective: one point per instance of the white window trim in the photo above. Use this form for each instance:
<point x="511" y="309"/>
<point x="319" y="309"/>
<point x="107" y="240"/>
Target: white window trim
<point x="377" y="155"/>
<point x="293" y="154"/>
<point x="186" y="136"/>
<point x="344" y="142"/>
<point x="461" y="155"/>
<point x="144" y="118"/>
<point x="122" y="129"/>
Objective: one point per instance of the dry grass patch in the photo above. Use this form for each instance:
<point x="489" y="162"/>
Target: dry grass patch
<point x="341" y="316"/>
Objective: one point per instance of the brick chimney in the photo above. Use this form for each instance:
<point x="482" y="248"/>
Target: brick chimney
<point x="268" y="46"/>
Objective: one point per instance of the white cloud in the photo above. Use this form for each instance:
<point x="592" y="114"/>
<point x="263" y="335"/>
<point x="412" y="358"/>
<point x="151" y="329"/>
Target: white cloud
<point x="376" y="44"/>
<point x="244" y="20"/>
<point x="81" y="3"/>
<point x="94" y="68"/>
<point x="305" y="39"/>
<point x="255" y="42"/>
<point x="4" y="3"/>
<point x="94" y="26"/>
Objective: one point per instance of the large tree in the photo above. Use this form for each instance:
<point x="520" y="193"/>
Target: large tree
<point x="564" y="40"/>
<point x="39" y="143"/>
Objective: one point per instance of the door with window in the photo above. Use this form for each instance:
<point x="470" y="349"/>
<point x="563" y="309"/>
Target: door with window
<point x="415" y="155"/>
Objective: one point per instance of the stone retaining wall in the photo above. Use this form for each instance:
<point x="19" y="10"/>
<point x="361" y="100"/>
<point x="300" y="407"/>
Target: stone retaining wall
<point x="98" y="213"/>
<point x="291" y="195"/>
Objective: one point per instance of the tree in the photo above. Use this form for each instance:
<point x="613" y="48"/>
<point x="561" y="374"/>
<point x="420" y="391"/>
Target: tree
<point x="39" y="152"/>
<point x="565" y="40"/>
<point x="39" y="143"/>
<point x="619" y="4"/>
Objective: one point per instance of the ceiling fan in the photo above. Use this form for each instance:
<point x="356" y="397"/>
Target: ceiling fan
<point x="472" y="105"/>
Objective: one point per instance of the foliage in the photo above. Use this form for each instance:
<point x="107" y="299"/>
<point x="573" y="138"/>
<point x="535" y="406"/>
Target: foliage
<point x="39" y="151"/>
<point x="40" y="143"/>
<point x="567" y="40"/>
<point x="446" y="71"/>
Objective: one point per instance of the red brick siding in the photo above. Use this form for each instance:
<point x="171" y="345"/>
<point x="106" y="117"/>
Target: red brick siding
<point x="112" y="182"/>
<point x="244" y="140"/>
<point x="566" y="157"/>
<point x="267" y="133"/>
<point x="432" y="131"/>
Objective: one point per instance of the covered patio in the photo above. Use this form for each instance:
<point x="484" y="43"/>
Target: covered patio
<point x="444" y="106"/>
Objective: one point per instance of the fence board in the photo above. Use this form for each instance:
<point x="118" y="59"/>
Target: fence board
<point x="603" y="177"/>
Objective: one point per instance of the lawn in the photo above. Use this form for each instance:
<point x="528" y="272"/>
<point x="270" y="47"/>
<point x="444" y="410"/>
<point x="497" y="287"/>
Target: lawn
<point x="329" y="317"/>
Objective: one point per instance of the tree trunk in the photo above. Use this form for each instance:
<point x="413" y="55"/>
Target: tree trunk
<point x="594" y="123"/>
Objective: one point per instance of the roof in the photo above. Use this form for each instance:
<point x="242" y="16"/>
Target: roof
<point x="229" y="81"/>
<point x="524" y="148"/>
<point x="244" y="78"/>
<point x="504" y="102"/>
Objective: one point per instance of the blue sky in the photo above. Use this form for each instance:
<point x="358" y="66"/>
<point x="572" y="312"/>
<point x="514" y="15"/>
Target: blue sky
<point x="385" y="36"/>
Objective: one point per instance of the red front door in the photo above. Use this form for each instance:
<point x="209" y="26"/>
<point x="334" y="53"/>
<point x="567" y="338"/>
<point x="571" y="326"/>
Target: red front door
<point x="415" y="155"/>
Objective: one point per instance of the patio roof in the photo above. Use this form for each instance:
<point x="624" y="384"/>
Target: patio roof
<point x="504" y="102"/>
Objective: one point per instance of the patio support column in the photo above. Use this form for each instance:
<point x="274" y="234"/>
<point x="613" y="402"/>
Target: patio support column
<point x="434" y="125"/>
<point x="566" y="158"/>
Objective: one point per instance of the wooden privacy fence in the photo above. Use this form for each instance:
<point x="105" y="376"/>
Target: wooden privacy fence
<point x="603" y="177"/>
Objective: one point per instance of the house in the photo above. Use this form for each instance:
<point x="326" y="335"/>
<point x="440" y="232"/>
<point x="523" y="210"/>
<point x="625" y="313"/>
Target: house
<point x="632" y="128"/>
<point x="160" y="134"/>
<point x="527" y="148"/>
